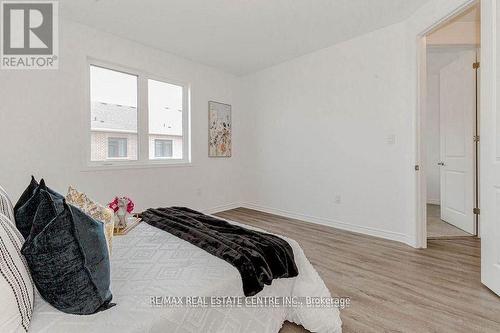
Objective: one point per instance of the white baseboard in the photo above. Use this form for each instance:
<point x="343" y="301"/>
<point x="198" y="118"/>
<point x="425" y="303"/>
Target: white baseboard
<point x="222" y="208"/>
<point x="390" y="235"/>
<point x="434" y="201"/>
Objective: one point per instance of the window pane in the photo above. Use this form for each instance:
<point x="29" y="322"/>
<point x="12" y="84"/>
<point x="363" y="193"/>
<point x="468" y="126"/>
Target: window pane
<point x="163" y="148"/>
<point x="113" y="114"/>
<point x="117" y="147"/>
<point x="165" y="102"/>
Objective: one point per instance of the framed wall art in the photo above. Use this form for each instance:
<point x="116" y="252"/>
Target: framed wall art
<point x="219" y="130"/>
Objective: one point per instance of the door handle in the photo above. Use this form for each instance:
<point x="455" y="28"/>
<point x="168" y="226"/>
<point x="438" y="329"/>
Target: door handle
<point x="441" y="163"/>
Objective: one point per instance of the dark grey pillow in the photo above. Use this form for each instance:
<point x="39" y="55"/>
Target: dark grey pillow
<point x="68" y="258"/>
<point x="28" y="204"/>
<point x="27" y="194"/>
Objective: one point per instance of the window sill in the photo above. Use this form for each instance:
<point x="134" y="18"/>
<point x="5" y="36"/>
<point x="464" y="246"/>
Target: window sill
<point x="134" y="165"/>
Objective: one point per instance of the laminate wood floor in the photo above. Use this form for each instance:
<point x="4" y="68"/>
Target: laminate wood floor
<point x="393" y="287"/>
<point x="437" y="228"/>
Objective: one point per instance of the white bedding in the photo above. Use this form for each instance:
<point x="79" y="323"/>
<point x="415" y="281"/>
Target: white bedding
<point x="150" y="262"/>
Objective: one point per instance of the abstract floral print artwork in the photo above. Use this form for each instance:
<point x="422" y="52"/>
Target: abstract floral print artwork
<point x="219" y="134"/>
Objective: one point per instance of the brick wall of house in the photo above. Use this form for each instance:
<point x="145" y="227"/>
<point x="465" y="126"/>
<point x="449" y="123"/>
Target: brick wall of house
<point x="176" y="145"/>
<point x="99" y="145"/>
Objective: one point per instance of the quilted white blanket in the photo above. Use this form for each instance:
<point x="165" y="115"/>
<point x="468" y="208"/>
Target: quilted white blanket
<point x="149" y="262"/>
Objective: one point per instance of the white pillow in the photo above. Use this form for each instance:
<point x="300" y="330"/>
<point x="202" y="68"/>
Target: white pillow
<point x="6" y="207"/>
<point x="16" y="285"/>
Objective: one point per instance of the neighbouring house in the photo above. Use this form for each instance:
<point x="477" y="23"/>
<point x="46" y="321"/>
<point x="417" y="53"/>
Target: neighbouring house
<point x="114" y="133"/>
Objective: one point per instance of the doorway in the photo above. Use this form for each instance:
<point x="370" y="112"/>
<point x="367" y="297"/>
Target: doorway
<point x="489" y="154"/>
<point x="451" y="141"/>
<point x="450" y="129"/>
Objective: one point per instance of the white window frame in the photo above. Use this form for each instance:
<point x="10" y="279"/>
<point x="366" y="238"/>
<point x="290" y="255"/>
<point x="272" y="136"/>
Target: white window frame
<point x="143" y="160"/>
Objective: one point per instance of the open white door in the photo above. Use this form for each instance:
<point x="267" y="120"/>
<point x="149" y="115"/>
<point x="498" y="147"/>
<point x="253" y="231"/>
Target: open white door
<point x="490" y="146"/>
<point x="457" y="121"/>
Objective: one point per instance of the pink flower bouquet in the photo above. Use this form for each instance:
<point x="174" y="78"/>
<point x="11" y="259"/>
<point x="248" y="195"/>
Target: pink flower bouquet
<point x="114" y="205"/>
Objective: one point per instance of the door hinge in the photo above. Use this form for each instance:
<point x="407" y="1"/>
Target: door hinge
<point x="476" y="138"/>
<point x="476" y="65"/>
<point x="477" y="211"/>
<point x="417" y="167"/>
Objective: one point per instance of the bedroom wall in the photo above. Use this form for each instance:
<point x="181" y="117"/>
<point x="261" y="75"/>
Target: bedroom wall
<point x="42" y="130"/>
<point x="331" y="135"/>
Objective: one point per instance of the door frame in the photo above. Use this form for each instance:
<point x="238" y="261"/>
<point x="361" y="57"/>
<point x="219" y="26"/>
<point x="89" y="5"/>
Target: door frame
<point x="487" y="38"/>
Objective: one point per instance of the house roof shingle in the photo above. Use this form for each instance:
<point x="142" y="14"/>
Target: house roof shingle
<point x="114" y="117"/>
<point x="123" y="118"/>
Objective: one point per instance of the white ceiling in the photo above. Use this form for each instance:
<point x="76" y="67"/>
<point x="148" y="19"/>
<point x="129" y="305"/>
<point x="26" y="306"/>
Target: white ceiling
<point x="238" y="36"/>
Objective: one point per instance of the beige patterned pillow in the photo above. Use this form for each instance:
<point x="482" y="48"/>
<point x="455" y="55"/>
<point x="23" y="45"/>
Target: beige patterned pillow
<point x="97" y="211"/>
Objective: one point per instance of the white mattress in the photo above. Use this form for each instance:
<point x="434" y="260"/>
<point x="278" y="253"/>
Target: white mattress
<point x="150" y="262"/>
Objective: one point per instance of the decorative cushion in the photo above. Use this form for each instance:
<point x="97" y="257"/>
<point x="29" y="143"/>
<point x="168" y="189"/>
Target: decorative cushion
<point x="16" y="286"/>
<point x="94" y="209"/>
<point x="68" y="258"/>
<point x="6" y="205"/>
<point x="27" y="205"/>
<point x="27" y="194"/>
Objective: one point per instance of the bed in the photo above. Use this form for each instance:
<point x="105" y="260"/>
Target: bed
<point x="151" y="263"/>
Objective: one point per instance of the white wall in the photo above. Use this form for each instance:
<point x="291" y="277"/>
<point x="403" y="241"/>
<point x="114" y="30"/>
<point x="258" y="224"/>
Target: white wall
<point x="320" y="129"/>
<point x="43" y="116"/>
<point x="321" y="126"/>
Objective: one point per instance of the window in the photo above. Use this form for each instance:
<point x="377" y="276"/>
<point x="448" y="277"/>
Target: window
<point x="163" y="148"/>
<point x="136" y="119"/>
<point x="165" y="105"/>
<point x="117" y="147"/>
<point x="113" y="111"/>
